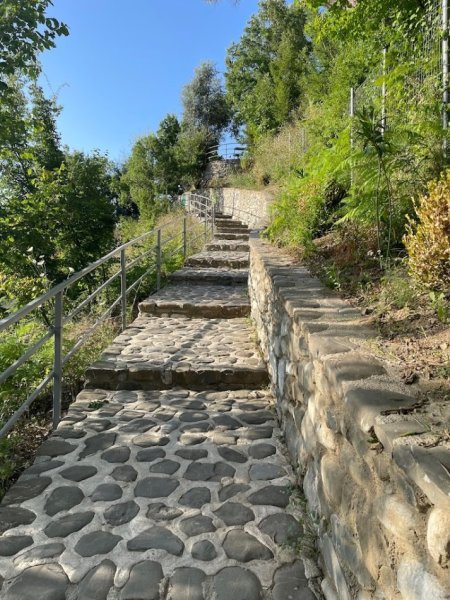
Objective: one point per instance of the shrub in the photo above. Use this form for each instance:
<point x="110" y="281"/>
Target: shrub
<point x="428" y="241"/>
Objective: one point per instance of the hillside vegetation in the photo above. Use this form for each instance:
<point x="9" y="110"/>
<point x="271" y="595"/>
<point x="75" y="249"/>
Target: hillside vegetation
<point x="364" y="199"/>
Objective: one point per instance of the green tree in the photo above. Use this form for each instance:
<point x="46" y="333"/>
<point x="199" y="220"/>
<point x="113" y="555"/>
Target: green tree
<point x="25" y="31"/>
<point x="265" y="68"/>
<point x="204" y="103"/>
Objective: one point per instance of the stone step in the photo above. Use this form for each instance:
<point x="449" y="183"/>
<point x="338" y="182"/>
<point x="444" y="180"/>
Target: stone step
<point x="228" y="246"/>
<point x="194" y="276"/>
<point x="233" y="260"/>
<point x="229" y="223"/>
<point x="222" y="216"/>
<point x="208" y="301"/>
<point x="162" y="352"/>
<point x="222" y="229"/>
<point x="220" y="235"/>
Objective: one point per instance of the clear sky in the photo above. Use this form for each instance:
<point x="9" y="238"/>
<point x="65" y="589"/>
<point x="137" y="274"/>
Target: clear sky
<point x="123" y="66"/>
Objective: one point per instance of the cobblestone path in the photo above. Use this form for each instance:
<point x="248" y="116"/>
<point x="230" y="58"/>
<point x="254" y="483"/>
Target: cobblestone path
<point x="167" y="479"/>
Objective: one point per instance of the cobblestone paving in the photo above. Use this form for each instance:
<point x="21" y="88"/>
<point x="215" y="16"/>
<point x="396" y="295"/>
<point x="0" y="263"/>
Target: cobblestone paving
<point x="201" y="276"/>
<point x="174" y="494"/>
<point x="211" y="258"/>
<point x="211" y="301"/>
<point x="162" y="351"/>
<point x="229" y="245"/>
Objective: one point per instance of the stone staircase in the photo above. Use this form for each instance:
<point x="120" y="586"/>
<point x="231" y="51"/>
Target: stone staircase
<point x="167" y="479"/>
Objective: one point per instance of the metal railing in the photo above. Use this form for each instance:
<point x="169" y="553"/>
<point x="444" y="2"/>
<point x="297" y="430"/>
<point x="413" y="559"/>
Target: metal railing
<point x="226" y="151"/>
<point x="198" y="207"/>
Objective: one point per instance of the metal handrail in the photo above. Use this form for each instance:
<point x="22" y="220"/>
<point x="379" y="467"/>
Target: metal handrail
<point x="207" y="200"/>
<point x="201" y="208"/>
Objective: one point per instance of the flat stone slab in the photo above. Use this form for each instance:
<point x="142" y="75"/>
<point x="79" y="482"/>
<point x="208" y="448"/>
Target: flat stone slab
<point x="208" y="301"/>
<point x="160" y="352"/>
<point x="188" y="527"/>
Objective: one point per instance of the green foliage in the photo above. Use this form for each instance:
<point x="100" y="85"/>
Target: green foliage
<point x="428" y="240"/>
<point x="440" y="305"/>
<point x="265" y="68"/>
<point x="26" y="30"/>
<point x="205" y="107"/>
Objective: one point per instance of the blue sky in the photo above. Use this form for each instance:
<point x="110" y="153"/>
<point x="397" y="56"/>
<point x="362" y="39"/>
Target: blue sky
<point x="123" y="66"/>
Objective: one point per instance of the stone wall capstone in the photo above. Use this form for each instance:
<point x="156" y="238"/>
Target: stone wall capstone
<point x="379" y="497"/>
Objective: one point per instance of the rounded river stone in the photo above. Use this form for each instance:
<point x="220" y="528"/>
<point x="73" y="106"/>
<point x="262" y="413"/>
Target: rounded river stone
<point x="97" y="583"/>
<point x="12" y="516"/>
<point x="138" y="426"/>
<point x="238" y="584"/>
<point x="106" y="492"/>
<point x="96" y="542"/>
<point x="234" y="513"/>
<point x="66" y="525"/>
<point x="78" y="473"/>
<point x="192" y="453"/>
<point x="186" y="582"/>
<point x="195" y="497"/>
<point x="25" y="489"/>
<point x="116" y="455"/>
<point x="121" y="513"/>
<point x="161" y="512"/>
<point x="158" y="538"/>
<point x="290" y="582"/>
<point x="42" y="467"/>
<point x="55" y="447"/>
<point x="41" y="553"/>
<point x="12" y="544"/>
<point x="271" y="495"/>
<point x="242" y="546"/>
<point x="231" y="455"/>
<point x="44" y="581"/>
<point x="282" y="528"/>
<point x="166" y="467"/>
<point x="147" y="440"/>
<point x="232" y="490"/>
<point x="144" y="581"/>
<point x="204" y="550"/>
<point x="63" y="498"/>
<point x="155" y="487"/>
<point x="266" y="471"/>
<point x="260" y="451"/>
<point x="193" y="417"/>
<point x="150" y="454"/>
<point x="197" y="525"/>
<point x="99" y="442"/>
<point x="124" y="473"/>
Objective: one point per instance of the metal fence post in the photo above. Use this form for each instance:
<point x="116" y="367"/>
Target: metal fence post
<point x="213" y="219"/>
<point x="123" y="288"/>
<point x="184" y="237"/>
<point x="384" y="94"/>
<point x="352" y="139"/>
<point x="445" y="75"/>
<point x="57" y="359"/>
<point x="206" y="223"/>
<point x="158" y="260"/>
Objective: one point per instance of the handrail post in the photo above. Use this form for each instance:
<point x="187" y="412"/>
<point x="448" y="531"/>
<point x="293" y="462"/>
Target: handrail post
<point x="158" y="260"/>
<point x="206" y="223"/>
<point x="123" y="288"/>
<point x="57" y="359"/>
<point x="184" y="237"/>
<point x="213" y="219"/>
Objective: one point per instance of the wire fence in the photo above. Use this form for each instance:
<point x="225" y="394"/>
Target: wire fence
<point x="407" y="85"/>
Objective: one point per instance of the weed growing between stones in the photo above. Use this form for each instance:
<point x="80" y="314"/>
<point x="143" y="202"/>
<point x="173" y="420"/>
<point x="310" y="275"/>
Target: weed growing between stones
<point x="305" y="543"/>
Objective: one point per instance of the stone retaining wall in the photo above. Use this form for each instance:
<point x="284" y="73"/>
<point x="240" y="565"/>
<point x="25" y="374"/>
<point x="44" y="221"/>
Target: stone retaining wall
<point x="380" y="498"/>
<point x="249" y="206"/>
